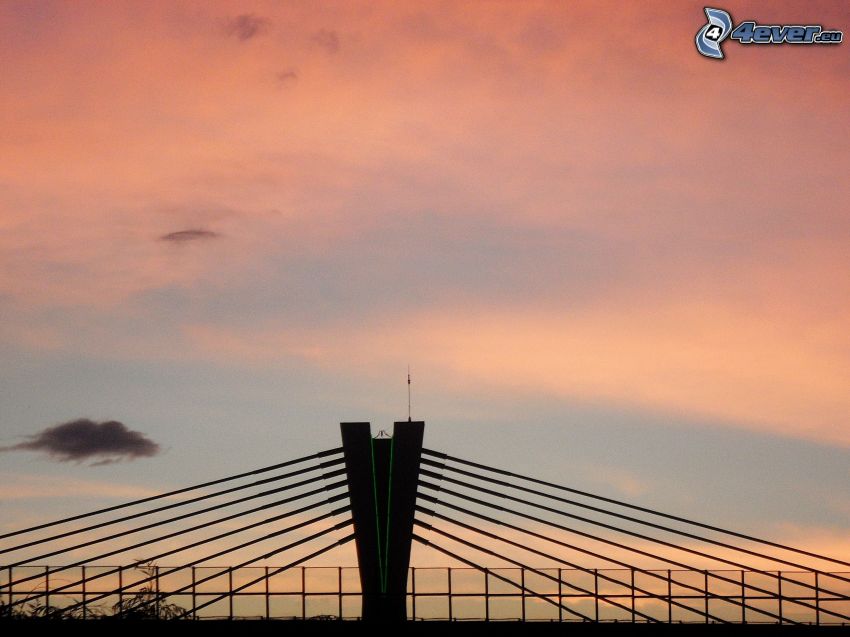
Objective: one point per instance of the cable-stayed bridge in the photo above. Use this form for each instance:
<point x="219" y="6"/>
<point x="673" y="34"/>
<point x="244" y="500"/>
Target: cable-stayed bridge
<point x="514" y="548"/>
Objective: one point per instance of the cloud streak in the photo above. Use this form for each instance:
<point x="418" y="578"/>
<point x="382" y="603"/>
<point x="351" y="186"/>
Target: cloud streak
<point x="286" y="76"/>
<point x="689" y="359"/>
<point x="328" y="40"/>
<point x="185" y="236"/>
<point x="84" y="439"/>
<point x="246" y="26"/>
<point x="31" y="486"/>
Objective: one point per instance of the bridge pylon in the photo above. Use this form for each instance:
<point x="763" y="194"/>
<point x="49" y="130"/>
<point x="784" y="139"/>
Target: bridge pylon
<point x="383" y="472"/>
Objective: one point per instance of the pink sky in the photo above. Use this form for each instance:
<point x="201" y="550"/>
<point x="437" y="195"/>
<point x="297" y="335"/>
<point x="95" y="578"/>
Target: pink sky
<point x="709" y="193"/>
<point x="527" y="201"/>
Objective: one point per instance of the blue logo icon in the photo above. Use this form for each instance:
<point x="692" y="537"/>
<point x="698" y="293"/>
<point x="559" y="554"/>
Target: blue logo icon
<point x="719" y="27"/>
<point x="712" y="34"/>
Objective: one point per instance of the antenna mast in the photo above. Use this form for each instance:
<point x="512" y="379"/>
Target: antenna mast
<point x="409" y="419"/>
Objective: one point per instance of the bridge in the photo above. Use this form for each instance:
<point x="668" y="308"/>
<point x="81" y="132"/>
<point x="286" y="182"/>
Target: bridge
<point x="516" y="548"/>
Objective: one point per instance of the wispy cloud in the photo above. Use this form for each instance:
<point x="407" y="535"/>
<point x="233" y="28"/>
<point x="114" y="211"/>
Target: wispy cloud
<point x="688" y="359"/>
<point x="84" y="439"/>
<point x="328" y="40"/>
<point x="621" y="480"/>
<point x="29" y="486"/>
<point x="184" y="236"/>
<point x="247" y="26"/>
<point x="287" y="76"/>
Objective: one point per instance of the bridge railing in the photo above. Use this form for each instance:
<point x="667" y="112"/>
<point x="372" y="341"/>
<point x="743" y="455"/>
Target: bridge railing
<point x="434" y="593"/>
<point x="298" y="593"/>
<point x="684" y="596"/>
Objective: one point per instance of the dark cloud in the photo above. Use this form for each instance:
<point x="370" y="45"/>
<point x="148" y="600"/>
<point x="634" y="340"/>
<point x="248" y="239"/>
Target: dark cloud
<point x="328" y="40"/>
<point x="285" y="77"/>
<point x="182" y="236"/>
<point x="246" y="26"/>
<point x="84" y="439"/>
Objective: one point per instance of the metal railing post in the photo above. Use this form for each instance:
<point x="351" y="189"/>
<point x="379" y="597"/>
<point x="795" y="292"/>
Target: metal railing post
<point x="413" y="592"/>
<point x="669" y="596"/>
<point x="268" y="597"/>
<point x="230" y="593"/>
<point x="486" y="594"/>
<point x="596" y="594"/>
<point x="303" y="592"/>
<point x="194" y="595"/>
<point x="451" y="606"/>
<point x="817" y="599"/>
<point x="339" y="590"/>
<point x="560" y="594"/>
<point x="522" y="583"/>
<point x="121" y="592"/>
<point x="83" y="583"/>
<point x="743" y="596"/>
<point x="779" y="594"/>
<point x="633" y="594"/>
<point x="705" y="590"/>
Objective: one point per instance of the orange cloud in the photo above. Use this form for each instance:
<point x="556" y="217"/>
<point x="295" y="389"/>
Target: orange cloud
<point x="688" y="357"/>
<point x="17" y="486"/>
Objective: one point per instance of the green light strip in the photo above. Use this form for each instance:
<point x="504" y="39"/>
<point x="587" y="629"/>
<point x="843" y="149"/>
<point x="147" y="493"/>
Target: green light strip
<point x="377" y="517"/>
<point x="389" y="502"/>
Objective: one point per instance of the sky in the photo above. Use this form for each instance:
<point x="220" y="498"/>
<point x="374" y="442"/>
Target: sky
<point x="608" y="261"/>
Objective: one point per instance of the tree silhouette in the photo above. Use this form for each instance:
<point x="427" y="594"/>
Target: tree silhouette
<point x="145" y="603"/>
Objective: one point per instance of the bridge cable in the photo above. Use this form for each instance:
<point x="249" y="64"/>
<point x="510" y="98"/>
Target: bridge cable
<point x="589" y="571"/>
<point x="487" y="571"/>
<point x="185" y="516"/>
<point x="162" y="595"/>
<point x="642" y="536"/>
<point x="193" y="545"/>
<point x="636" y="550"/>
<point x="589" y="552"/>
<point x="554" y="558"/>
<point x="204" y="525"/>
<point x="174" y="505"/>
<point x="563" y="561"/>
<point x="300" y="560"/>
<point x="281" y="465"/>
<point x="645" y="553"/>
<point x="661" y="527"/>
<point x="176" y="569"/>
<point x="635" y="507"/>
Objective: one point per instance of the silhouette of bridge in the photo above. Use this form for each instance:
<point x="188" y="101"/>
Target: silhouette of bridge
<point x="528" y="549"/>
